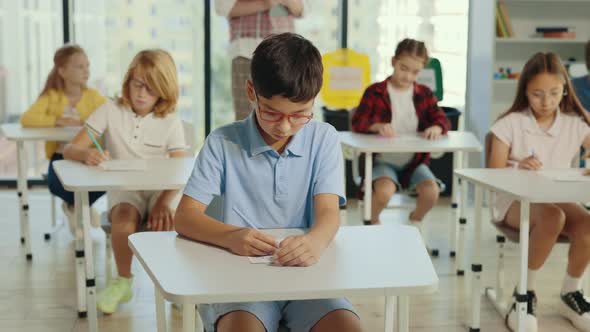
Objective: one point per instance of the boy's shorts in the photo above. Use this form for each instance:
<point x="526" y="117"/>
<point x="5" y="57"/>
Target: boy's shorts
<point x="298" y="316"/>
<point x="391" y="171"/>
<point x="143" y="200"/>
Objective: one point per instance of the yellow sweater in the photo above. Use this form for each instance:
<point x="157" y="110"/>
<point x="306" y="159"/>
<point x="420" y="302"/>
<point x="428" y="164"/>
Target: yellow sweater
<point x="50" y="107"/>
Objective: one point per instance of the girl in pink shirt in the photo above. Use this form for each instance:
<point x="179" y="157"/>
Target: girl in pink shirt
<point x="545" y="128"/>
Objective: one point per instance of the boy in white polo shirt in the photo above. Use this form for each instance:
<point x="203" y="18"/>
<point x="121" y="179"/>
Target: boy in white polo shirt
<point x="139" y="125"/>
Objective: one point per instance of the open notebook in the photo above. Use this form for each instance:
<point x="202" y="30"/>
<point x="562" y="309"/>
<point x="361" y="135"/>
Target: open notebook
<point x="124" y="165"/>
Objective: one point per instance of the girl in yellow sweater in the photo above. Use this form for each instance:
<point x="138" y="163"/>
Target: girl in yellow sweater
<point x="65" y="101"/>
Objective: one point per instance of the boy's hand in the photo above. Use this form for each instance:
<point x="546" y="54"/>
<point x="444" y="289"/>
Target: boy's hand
<point x="432" y="133"/>
<point x="383" y="129"/>
<point x="251" y="242"/>
<point x="299" y="250"/>
<point x="93" y="157"/>
<point x="530" y="163"/>
<point x="161" y="218"/>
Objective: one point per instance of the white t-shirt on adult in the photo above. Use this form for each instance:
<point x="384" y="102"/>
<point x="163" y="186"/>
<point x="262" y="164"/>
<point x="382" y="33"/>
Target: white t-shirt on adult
<point x="127" y="135"/>
<point x="555" y="147"/>
<point x="403" y="120"/>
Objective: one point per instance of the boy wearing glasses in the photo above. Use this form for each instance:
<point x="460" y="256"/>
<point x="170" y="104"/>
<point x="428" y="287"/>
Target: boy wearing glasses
<point x="275" y="169"/>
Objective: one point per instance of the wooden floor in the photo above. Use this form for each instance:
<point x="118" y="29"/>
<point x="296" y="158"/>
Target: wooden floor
<point x="41" y="296"/>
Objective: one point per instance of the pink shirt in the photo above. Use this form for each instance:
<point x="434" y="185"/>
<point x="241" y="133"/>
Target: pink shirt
<point x="556" y="147"/>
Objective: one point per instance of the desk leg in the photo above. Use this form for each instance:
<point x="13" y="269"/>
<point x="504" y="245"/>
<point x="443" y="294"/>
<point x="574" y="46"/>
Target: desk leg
<point x="23" y="198"/>
<point x="160" y="310"/>
<point x="454" y="215"/>
<point x="83" y="206"/>
<point x="79" y="257"/>
<point x="368" y="188"/>
<point x="389" y="313"/>
<point x="188" y="317"/>
<point x="476" y="267"/>
<point x="521" y="297"/>
<point x="464" y="188"/>
<point x="403" y="314"/>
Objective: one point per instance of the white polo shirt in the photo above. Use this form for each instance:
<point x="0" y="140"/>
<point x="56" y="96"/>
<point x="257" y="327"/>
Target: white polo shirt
<point x="555" y="147"/>
<point x="127" y="135"/>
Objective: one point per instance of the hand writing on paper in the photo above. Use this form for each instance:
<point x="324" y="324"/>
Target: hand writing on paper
<point x="432" y="133"/>
<point x="530" y="163"/>
<point x="298" y="250"/>
<point x="161" y="217"/>
<point x="383" y="129"/>
<point x="94" y="157"/>
<point x="251" y="242"/>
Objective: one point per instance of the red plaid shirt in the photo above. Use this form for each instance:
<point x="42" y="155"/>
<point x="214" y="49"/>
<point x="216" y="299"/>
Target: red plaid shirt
<point x="245" y="26"/>
<point x="375" y="107"/>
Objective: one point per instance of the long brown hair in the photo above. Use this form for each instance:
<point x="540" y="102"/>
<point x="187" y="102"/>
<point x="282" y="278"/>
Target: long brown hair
<point x="546" y="63"/>
<point x="60" y="59"/>
<point x="157" y="68"/>
<point x="412" y="47"/>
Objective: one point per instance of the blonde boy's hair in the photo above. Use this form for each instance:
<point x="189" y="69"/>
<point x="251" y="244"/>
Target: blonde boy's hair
<point x="156" y="67"/>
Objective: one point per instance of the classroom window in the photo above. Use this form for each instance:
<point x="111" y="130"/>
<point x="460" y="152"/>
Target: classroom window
<point x="442" y="24"/>
<point x="30" y="32"/>
<point x="101" y="28"/>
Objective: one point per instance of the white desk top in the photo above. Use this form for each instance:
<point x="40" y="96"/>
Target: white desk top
<point x="161" y="174"/>
<point x="361" y="261"/>
<point x="527" y="185"/>
<point x="453" y="141"/>
<point x="15" y="132"/>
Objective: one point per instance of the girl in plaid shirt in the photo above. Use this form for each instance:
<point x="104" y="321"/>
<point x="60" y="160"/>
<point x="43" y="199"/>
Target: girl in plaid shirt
<point x="400" y="106"/>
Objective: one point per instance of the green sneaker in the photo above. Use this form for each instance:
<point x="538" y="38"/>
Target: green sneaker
<point x="118" y="291"/>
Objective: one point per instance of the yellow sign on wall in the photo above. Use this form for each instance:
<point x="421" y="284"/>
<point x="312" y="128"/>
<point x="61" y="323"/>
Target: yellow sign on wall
<point x="346" y="75"/>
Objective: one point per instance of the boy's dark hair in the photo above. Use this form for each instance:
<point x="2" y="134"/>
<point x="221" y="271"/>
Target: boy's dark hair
<point x="588" y="56"/>
<point x="287" y="65"/>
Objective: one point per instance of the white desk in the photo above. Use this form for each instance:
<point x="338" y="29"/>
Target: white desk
<point x="15" y="132"/>
<point x="161" y="174"/>
<point x="458" y="142"/>
<point x="361" y="261"/>
<point x="527" y="187"/>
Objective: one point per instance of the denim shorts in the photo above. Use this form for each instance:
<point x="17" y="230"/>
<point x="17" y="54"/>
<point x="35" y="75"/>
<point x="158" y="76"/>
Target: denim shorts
<point x="391" y="171"/>
<point x="298" y="316"/>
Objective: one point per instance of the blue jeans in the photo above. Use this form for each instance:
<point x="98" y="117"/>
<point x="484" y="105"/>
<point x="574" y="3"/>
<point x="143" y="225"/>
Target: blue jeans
<point x="57" y="189"/>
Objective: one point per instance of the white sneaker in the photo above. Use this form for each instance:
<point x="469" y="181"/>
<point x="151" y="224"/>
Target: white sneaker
<point x="70" y="216"/>
<point x="531" y="323"/>
<point x="576" y="308"/>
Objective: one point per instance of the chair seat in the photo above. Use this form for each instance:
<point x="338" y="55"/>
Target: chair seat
<point x="514" y="235"/>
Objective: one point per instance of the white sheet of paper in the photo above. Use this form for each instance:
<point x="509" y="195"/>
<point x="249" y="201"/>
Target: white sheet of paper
<point x="565" y="175"/>
<point x="124" y="165"/>
<point x="263" y="259"/>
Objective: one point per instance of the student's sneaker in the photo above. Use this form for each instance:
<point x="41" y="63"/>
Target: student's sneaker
<point x="70" y="216"/>
<point x="118" y="291"/>
<point x="531" y="324"/>
<point x="576" y="308"/>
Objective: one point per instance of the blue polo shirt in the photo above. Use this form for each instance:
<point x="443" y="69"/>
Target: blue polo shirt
<point x="582" y="87"/>
<point x="261" y="188"/>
